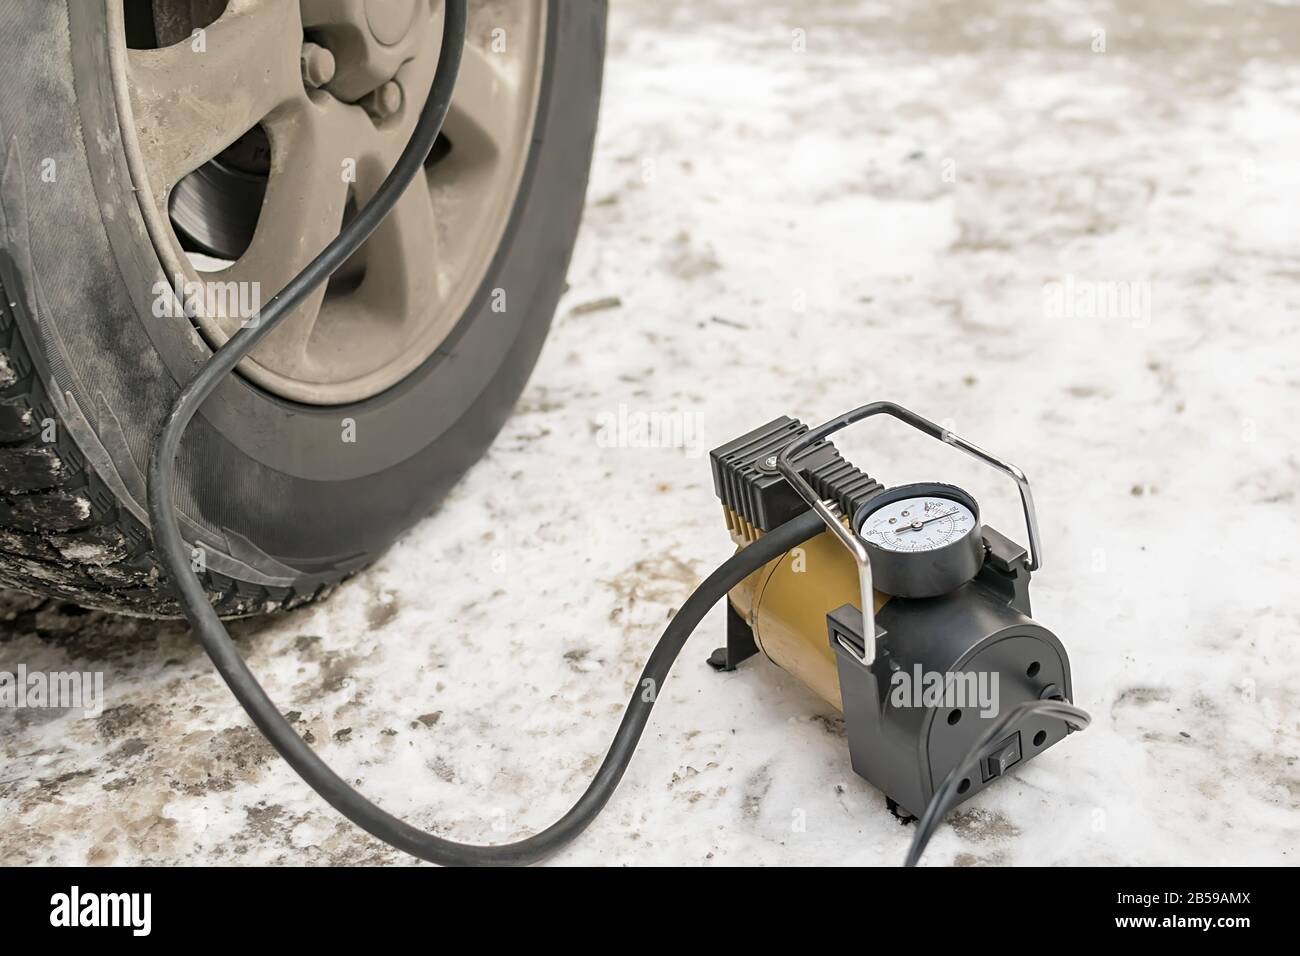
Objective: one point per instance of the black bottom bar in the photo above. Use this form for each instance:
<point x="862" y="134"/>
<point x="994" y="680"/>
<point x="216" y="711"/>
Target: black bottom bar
<point x="259" y="906"/>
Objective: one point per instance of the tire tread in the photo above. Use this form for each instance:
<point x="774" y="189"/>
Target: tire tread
<point x="62" y="532"/>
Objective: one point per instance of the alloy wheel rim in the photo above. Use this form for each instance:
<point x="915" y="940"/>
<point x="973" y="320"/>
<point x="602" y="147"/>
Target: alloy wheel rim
<point x="246" y="113"/>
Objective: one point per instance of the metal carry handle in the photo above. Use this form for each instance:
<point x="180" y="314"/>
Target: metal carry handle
<point x="852" y="540"/>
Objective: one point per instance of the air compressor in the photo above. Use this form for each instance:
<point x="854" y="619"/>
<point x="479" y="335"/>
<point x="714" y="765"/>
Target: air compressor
<point x="906" y="613"/>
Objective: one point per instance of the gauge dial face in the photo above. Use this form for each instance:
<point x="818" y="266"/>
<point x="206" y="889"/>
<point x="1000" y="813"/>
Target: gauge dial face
<point x="923" y="523"/>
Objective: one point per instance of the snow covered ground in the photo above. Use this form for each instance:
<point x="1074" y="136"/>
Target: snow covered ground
<point x="1067" y="229"/>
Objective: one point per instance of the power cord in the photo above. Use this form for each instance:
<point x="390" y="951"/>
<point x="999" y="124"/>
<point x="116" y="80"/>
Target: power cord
<point x="946" y="795"/>
<point x="215" y="640"/>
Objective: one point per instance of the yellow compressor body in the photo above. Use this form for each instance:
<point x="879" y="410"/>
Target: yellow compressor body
<point x="786" y="601"/>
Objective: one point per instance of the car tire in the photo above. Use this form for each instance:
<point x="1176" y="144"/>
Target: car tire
<point x="279" y="506"/>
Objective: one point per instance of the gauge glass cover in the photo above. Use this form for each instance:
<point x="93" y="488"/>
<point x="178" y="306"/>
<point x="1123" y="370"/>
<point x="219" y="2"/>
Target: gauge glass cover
<point x="923" y="523"/>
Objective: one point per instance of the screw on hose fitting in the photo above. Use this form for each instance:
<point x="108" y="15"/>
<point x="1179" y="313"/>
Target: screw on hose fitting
<point x="317" y="65"/>
<point x="384" y="101"/>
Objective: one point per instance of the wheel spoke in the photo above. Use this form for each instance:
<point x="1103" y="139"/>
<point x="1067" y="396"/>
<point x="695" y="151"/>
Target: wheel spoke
<point x="302" y="211"/>
<point x="402" y="281"/>
<point x="481" y="120"/>
<point x="325" y="13"/>
<point x="194" y="98"/>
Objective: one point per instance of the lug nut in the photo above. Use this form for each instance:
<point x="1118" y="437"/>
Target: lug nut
<point x="385" y="101"/>
<point x="317" y="66"/>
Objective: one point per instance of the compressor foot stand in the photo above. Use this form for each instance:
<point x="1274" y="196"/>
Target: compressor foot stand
<point x="740" y="643"/>
<point x="901" y="815"/>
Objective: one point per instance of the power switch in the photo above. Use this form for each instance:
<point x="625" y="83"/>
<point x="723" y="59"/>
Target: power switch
<point x="1003" y="757"/>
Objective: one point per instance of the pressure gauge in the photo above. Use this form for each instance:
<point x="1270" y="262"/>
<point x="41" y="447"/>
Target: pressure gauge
<point x="923" y="539"/>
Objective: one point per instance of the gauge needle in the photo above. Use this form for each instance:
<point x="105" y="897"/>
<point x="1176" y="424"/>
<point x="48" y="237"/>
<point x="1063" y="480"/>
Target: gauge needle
<point x="916" y="525"/>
